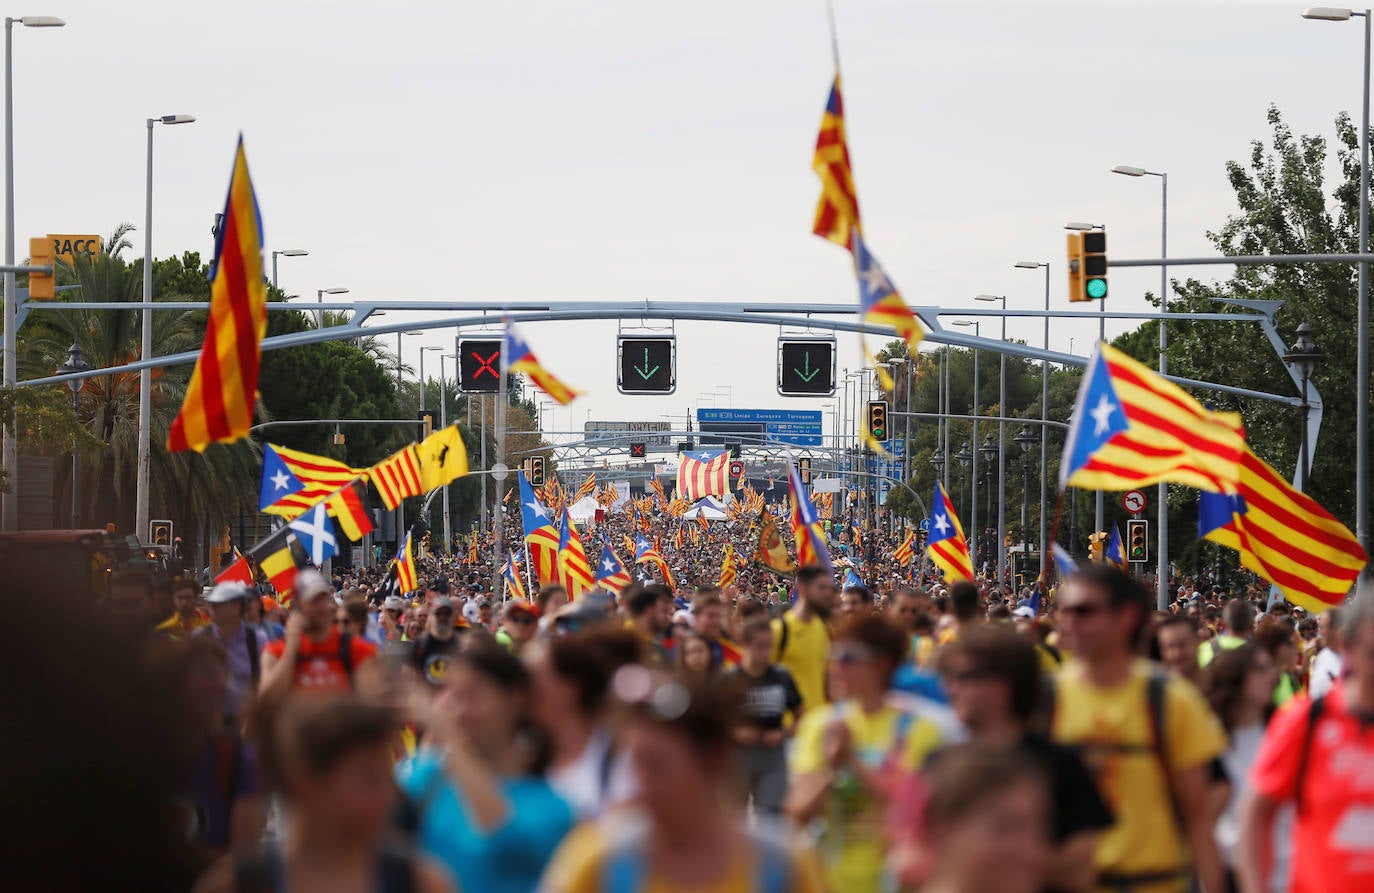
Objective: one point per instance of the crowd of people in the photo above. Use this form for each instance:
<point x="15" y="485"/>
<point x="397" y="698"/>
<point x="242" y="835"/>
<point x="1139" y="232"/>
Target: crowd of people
<point x="809" y="735"/>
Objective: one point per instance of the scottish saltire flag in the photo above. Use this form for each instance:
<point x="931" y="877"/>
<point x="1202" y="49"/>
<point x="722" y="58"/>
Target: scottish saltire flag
<point x="806" y="524"/>
<point x="1283" y="535"/>
<point x="880" y="304"/>
<point x="278" y="481"/>
<point x="515" y="587"/>
<point x="611" y="574"/>
<point x="518" y="357"/>
<point x="218" y="406"/>
<point x="1064" y="565"/>
<point x="1131" y="427"/>
<point x="837" y="212"/>
<point x="541" y="536"/>
<point x="702" y="473"/>
<point x="1115" y="553"/>
<point x="946" y="545"/>
<point x="315" y="532"/>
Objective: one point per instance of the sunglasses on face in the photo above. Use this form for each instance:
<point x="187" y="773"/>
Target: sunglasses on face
<point x="522" y="619"/>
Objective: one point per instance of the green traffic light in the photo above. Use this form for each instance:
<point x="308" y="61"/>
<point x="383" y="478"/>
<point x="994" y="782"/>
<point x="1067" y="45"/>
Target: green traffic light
<point x="1097" y="288"/>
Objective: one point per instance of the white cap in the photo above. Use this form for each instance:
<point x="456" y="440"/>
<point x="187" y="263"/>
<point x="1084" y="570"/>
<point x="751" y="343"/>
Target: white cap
<point x="226" y="592"/>
<point x="1023" y="611"/>
<point x="310" y="583"/>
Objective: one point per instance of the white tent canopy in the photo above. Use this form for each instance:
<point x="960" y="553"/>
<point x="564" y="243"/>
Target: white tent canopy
<point x="583" y="510"/>
<point x="710" y="506"/>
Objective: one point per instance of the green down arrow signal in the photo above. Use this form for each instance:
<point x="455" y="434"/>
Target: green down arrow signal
<point x="640" y="369"/>
<point x="809" y="373"/>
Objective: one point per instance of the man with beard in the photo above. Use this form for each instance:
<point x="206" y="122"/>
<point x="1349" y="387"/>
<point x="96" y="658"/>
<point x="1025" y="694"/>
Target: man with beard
<point x="801" y="637"/>
<point x="433" y="651"/>
<point x="315" y="655"/>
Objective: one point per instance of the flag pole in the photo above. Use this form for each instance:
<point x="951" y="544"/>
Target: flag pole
<point x="499" y="417"/>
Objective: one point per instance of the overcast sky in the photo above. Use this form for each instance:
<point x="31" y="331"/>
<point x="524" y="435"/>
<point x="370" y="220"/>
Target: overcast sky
<point x="487" y="152"/>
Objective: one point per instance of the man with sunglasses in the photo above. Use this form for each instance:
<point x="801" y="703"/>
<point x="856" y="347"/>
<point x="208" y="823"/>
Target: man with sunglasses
<point x="518" y="624"/>
<point x="434" y="650"/>
<point x="1147" y="735"/>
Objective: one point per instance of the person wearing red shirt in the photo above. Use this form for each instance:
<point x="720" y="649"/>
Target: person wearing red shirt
<point x="1319" y="756"/>
<point x="314" y="655"/>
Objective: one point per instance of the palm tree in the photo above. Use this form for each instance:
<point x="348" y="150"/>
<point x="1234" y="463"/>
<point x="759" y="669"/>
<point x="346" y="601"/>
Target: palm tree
<point x="207" y="488"/>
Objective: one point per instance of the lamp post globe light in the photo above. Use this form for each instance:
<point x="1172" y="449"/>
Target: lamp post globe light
<point x="1025" y="439"/>
<point x="963" y="457"/>
<point x="1304" y="356"/>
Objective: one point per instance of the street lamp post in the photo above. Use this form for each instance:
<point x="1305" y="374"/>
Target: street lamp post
<point x="76" y="362"/>
<point x="145" y="377"/>
<point x="319" y="299"/>
<point x="1044" y="410"/>
<point x="1001" y="445"/>
<point x="443" y="423"/>
<point x="1304" y="356"/>
<point x="10" y="499"/>
<point x="965" y="457"/>
<point x="1332" y="14"/>
<point x="1025" y="440"/>
<point x="974" y="538"/>
<point x="1162" y="522"/>
<point x="285" y="252"/>
<point x="423" y="348"/>
<point x="906" y="433"/>
<point x="988" y="449"/>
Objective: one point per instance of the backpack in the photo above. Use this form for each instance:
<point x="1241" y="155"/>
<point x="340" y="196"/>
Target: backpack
<point x="623" y="871"/>
<point x="264" y="871"/>
<point x="345" y="656"/>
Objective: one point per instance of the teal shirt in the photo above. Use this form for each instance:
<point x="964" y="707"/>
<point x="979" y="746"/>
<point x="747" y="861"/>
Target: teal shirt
<point x="506" y="859"/>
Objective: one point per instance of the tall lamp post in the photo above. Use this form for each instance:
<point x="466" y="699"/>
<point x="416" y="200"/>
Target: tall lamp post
<point x="906" y="432"/>
<point x="1162" y="524"/>
<point x="145" y="377"/>
<point x="1026" y="441"/>
<point x="76" y="362"/>
<point x="1001" y="445"/>
<point x="988" y="449"/>
<point x="1044" y="407"/>
<point x="443" y="423"/>
<point x="319" y="299"/>
<point x="10" y="499"/>
<point x="1304" y="356"/>
<point x="1099" y="509"/>
<point x="1334" y="14"/>
<point x="285" y="252"/>
<point x="964" y="457"/>
<point x="975" y="539"/>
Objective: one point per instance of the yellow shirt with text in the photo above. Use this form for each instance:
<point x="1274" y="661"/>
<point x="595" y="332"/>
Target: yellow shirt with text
<point x="805" y="652"/>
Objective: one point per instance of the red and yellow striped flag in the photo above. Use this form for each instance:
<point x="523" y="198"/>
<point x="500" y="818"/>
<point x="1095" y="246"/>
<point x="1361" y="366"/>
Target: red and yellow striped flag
<point x="587" y="488"/>
<point x="397" y="476"/>
<point x="728" y="574"/>
<point x="218" y="407"/>
<point x="837" y="212"/>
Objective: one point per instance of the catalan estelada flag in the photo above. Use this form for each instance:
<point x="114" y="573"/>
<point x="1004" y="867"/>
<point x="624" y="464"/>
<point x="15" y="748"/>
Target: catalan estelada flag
<point x="837" y="212"/>
<point x="1115" y="553"/>
<point x="1131" y="427"/>
<point x="406" y="577"/>
<point x="947" y="546"/>
<point x="806" y="525"/>
<point x="702" y="473"/>
<point x="880" y="304"/>
<point x="649" y="553"/>
<point x="611" y="574"/>
<point x="218" y="406"/>
<point x="1283" y="535"/>
<point x="515" y="587"/>
<point x="541" y="536"/>
<point x="293" y="481"/>
<point x="574" y="571"/>
<point x="518" y="357"/>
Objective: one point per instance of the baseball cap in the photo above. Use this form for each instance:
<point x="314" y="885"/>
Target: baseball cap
<point x="442" y="601"/>
<point x="223" y="593"/>
<point x="394" y="603"/>
<point x="518" y="606"/>
<point x="310" y="583"/>
<point x="1024" y="612"/>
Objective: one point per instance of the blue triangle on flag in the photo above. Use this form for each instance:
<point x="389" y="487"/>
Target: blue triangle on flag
<point x="1098" y="416"/>
<point x="278" y="481"/>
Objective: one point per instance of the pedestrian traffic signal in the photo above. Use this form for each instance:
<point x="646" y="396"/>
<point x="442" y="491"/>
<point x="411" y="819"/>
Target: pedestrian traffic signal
<point x="1138" y="540"/>
<point x="536" y="471"/>
<point x="877" y="420"/>
<point x="647" y="365"/>
<point x="42" y="286"/>
<point x="1087" y="265"/>
<point x="479" y="365"/>
<point x="804" y="469"/>
<point x="806" y="367"/>
<point x="639" y="450"/>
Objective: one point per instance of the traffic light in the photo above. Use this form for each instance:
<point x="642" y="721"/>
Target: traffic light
<point x="806" y="367"/>
<point x="639" y="450"/>
<point x="1087" y="265"/>
<point x="536" y="471"/>
<point x="1138" y="540"/>
<point x="804" y="469"/>
<point x="42" y="286"/>
<point x="160" y="533"/>
<point x="1096" y="543"/>
<point x="479" y="365"/>
<point x="736" y="449"/>
<point x="647" y="365"/>
<point x="427" y="419"/>
<point x="877" y="420"/>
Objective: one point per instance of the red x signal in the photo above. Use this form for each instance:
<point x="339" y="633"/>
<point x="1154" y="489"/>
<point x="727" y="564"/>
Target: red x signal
<point x="637" y="451"/>
<point x="484" y="364"/>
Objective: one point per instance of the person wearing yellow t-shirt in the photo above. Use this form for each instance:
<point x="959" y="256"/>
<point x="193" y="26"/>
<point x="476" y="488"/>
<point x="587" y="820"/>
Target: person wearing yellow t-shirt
<point x="801" y="637"/>
<point x="1147" y="735"/>
<point x="681" y="835"/>
<point x="848" y="756"/>
<point x="188" y="616"/>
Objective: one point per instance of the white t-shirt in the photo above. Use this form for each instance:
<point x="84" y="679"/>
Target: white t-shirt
<point x="597" y="780"/>
<point x="1326" y="669"/>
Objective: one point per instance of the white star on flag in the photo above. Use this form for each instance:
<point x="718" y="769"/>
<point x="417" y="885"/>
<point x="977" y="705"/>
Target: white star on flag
<point x="315" y="533"/>
<point x="538" y="510"/>
<point x="1102" y="415"/>
<point x="608" y="566"/>
<point x="281" y="480"/>
<point x="875" y="279"/>
<point x="942" y="524"/>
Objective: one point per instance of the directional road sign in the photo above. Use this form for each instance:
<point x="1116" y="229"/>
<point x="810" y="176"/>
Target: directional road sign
<point x="479" y="365"/>
<point x="647" y="365"/>
<point x="751" y="426"/>
<point x="806" y="367"/>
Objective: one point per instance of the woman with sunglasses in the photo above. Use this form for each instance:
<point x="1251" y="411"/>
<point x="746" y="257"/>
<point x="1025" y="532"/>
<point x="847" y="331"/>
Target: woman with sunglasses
<point x="850" y="754"/>
<point x="684" y="836"/>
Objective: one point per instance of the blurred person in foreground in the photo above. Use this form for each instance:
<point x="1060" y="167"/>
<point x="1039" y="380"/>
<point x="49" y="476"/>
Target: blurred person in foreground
<point x="980" y="825"/>
<point x="330" y="757"/>
<point x="1148" y="736"/>
<point x="683" y="837"/>
<point x="994" y="678"/>
<point x="849" y="754"/>
<point x="1318" y="754"/>
<point x="315" y="655"/>
<point x="481" y="803"/>
<point x="771" y="708"/>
